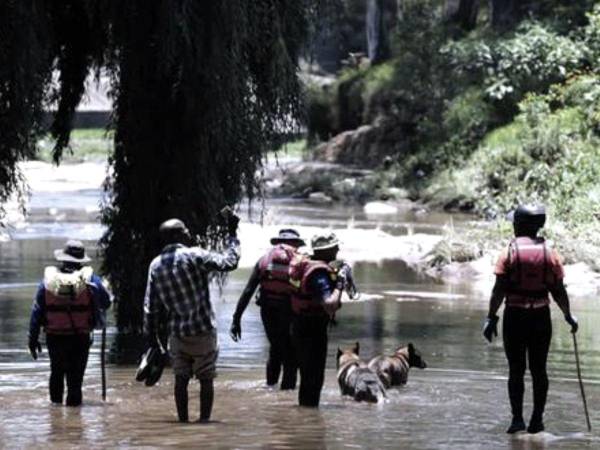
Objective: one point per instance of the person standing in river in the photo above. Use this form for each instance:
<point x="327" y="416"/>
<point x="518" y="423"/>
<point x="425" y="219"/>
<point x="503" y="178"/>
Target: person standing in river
<point x="316" y="298"/>
<point x="271" y="272"/>
<point x="528" y="270"/>
<point x="69" y="303"/>
<point x="177" y="294"/>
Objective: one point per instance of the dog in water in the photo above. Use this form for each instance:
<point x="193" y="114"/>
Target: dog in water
<point x="356" y="379"/>
<point x="393" y="370"/>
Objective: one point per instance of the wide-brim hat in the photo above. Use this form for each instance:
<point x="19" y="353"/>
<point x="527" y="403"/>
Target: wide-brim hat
<point x="324" y="241"/>
<point x="288" y="235"/>
<point x="74" y="251"/>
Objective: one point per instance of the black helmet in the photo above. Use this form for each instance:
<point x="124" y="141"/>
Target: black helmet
<point x="534" y="215"/>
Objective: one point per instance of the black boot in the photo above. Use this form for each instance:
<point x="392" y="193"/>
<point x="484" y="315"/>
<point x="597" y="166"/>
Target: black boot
<point x="181" y="397"/>
<point x="517" y="424"/>
<point x="536" y="424"/>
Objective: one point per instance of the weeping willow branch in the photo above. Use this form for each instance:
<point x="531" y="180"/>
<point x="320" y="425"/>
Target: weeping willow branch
<point x="201" y="90"/>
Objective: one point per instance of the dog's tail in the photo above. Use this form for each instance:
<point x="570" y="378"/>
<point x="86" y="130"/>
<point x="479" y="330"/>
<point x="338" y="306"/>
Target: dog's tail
<point x="370" y="389"/>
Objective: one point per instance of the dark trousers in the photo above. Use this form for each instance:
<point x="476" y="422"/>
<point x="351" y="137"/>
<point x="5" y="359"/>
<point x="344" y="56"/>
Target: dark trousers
<point x="310" y="343"/>
<point x="527" y="334"/>
<point x="277" y="322"/>
<point x="68" y="359"/>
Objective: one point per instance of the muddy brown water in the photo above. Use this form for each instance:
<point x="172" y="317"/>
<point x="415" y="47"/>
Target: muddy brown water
<point x="459" y="401"/>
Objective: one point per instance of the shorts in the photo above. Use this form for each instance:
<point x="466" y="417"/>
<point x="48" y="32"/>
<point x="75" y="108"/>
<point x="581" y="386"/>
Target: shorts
<point x="195" y="355"/>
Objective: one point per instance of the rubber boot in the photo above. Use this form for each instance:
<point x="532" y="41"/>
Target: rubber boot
<point x="517" y="424"/>
<point x="536" y="424"/>
<point x="181" y="397"/>
<point x="207" y="394"/>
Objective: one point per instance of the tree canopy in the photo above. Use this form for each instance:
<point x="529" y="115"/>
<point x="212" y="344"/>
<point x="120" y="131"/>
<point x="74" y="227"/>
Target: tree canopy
<point x="201" y="91"/>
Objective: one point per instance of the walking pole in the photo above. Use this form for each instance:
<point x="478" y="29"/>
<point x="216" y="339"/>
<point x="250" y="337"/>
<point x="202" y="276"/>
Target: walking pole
<point x="585" y="408"/>
<point x="102" y="365"/>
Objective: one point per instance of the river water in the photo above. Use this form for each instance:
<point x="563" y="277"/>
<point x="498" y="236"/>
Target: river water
<point x="459" y="401"/>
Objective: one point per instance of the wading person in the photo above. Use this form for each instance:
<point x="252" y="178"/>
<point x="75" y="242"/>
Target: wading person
<point x="177" y="295"/>
<point x="316" y="298"/>
<point x="69" y="303"/>
<point x="526" y="273"/>
<point x="271" y="272"/>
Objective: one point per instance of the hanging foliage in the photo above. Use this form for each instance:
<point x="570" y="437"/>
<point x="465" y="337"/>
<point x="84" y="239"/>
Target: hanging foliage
<point x="201" y="91"/>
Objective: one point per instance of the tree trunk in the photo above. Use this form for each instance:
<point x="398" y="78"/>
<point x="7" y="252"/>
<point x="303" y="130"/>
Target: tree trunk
<point x="378" y="46"/>
<point x="464" y="13"/>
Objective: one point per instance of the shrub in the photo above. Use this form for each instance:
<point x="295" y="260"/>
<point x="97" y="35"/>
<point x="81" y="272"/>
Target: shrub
<point x="532" y="60"/>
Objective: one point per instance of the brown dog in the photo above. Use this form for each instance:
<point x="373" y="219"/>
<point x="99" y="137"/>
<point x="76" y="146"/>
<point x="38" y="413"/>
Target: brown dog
<point x="356" y="379"/>
<point x="393" y="370"/>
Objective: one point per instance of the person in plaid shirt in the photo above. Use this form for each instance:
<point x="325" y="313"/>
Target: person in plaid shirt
<point x="177" y="296"/>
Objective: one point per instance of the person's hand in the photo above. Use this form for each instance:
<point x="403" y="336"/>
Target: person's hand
<point x="572" y="320"/>
<point x="151" y="341"/>
<point x="34" y="348"/>
<point x="490" y="328"/>
<point x="231" y="220"/>
<point x="236" y="330"/>
<point x="342" y="277"/>
<point x="331" y="308"/>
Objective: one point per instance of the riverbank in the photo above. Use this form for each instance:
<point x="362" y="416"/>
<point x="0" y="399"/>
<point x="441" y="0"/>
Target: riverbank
<point x="460" y="251"/>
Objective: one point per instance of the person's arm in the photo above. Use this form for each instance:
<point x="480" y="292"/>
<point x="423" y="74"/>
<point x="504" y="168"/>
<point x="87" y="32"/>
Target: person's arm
<point x="152" y="311"/>
<point x="247" y="293"/>
<point x="236" y="324"/>
<point x="490" y="327"/>
<point x="102" y="297"/>
<point x="38" y="312"/>
<point x="497" y="297"/>
<point x="560" y="296"/>
<point x="559" y="292"/>
<point x="225" y="261"/>
<point x="328" y="294"/>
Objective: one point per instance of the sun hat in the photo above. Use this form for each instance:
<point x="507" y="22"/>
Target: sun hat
<point x="74" y="251"/>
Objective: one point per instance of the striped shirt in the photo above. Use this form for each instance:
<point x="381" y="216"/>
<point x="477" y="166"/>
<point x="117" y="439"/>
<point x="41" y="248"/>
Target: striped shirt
<point x="177" y="288"/>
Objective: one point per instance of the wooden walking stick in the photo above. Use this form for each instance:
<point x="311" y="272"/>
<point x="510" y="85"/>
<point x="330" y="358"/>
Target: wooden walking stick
<point x="102" y="365"/>
<point x="585" y="408"/>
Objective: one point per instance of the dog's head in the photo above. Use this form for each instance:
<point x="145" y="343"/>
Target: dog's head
<point x="347" y="355"/>
<point x="414" y="357"/>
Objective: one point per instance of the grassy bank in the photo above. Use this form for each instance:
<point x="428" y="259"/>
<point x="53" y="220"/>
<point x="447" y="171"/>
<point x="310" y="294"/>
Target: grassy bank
<point x="94" y="144"/>
<point x="481" y="121"/>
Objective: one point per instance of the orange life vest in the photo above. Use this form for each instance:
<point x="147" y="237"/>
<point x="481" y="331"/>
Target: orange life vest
<point x="274" y="274"/>
<point x="302" y="299"/>
<point x="69" y="306"/>
<point x="528" y="272"/>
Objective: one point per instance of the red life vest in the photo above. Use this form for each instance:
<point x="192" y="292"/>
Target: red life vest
<point x="302" y="299"/>
<point x="528" y="273"/>
<point x="69" y="307"/>
<point x="274" y="274"/>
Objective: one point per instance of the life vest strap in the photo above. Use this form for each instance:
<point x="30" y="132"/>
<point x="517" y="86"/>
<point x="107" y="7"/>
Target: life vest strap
<point x="66" y="308"/>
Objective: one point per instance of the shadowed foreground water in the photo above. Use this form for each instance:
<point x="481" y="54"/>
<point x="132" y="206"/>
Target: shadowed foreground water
<point x="459" y="402"/>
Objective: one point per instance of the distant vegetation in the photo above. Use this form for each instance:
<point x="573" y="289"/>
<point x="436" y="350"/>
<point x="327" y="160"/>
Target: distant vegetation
<point x="484" y="118"/>
<point x="94" y="144"/>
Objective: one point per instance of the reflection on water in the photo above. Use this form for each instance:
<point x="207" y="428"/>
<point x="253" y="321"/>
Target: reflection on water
<point x="460" y="401"/>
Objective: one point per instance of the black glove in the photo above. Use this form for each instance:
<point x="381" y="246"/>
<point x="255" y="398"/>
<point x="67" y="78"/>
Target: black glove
<point x="572" y="320"/>
<point x="230" y="219"/>
<point x="490" y="328"/>
<point x="236" y="330"/>
<point x="34" y="348"/>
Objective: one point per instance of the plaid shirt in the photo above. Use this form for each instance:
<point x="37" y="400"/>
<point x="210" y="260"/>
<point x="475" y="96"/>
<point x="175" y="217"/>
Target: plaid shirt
<point x="177" y="288"/>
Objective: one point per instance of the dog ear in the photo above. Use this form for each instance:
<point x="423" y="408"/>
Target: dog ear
<point x="356" y="348"/>
<point x="339" y="353"/>
<point x="411" y="347"/>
